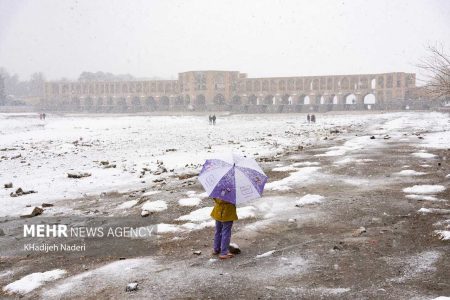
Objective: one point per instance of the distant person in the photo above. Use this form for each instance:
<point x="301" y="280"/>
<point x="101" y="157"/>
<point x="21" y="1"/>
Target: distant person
<point x="313" y="118"/>
<point x="308" y="118"/>
<point x="214" y="119"/>
<point x="43" y="116"/>
<point x="210" y="119"/>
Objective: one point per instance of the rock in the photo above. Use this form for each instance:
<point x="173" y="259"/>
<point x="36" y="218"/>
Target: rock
<point x="2" y="233"/>
<point x="109" y="166"/>
<point x="78" y="175"/>
<point x="20" y="192"/>
<point x="17" y="156"/>
<point x="131" y="287"/>
<point x="31" y="212"/>
<point x="386" y="137"/>
<point x="171" y="150"/>
<point x="145" y="213"/>
<point x="359" y="231"/>
<point x="186" y="176"/>
<point x="197" y="252"/>
<point x="291" y="220"/>
<point x="104" y="162"/>
<point x="8" y="185"/>
<point x="234" y="248"/>
<point x="160" y="170"/>
<point x="46" y="205"/>
<point x="372" y="137"/>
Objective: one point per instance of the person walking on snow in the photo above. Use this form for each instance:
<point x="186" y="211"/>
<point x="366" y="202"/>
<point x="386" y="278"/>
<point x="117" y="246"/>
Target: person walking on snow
<point x="224" y="213"/>
<point x="214" y="119"/>
<point x="313" y="119"/>
<point x="308" y="118"/>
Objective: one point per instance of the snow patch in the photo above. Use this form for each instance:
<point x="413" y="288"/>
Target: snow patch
<point x="443" y="234"/>
<point x="167" y="228"/>
<point x="128" y="204"/>
<point x="189" y="201"/>
<point x="149" y="193"/>
<point x="424" y="189"/>
<point x="32" y="281"/>
<point x="285" y="169"/>
<point x="246" y="212"/>
<point x="306" y="164"/>
<point x="309" y="199"/>
<point x="154" y="206"/>
<point x="302" y="175"/>
<point x="423" y="155"/>
<point x="199" y="215"/>
<point x="421" y="197"/>
<point x="266" y="254"/>
<point x="409" y="173"/>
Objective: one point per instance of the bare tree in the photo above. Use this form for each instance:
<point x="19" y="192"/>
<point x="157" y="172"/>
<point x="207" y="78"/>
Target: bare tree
<point x="436" y="69"/>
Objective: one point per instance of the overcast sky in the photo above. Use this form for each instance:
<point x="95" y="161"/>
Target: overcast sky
<point x="261" y="38"/>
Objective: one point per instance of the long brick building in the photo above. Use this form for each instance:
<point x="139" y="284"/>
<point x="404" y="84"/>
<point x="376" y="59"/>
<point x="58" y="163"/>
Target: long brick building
<point x="232" y="90"/>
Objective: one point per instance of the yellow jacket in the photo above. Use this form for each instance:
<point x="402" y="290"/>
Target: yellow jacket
<point x="223" y="211"/>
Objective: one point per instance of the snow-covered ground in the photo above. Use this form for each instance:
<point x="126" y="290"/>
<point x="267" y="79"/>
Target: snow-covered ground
<point x="46" y="151"/>
<point x="37" y="155"/>
<point x="49" y="151"/>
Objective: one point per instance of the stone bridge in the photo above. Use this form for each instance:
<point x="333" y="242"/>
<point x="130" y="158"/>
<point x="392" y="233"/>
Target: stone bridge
<point x="232" y="90"/>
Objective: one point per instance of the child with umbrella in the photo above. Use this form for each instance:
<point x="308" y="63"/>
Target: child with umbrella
<point x="229" y="180"/>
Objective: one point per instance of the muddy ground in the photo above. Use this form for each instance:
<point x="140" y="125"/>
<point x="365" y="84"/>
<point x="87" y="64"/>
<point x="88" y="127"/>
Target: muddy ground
<point x="317" y="253"/>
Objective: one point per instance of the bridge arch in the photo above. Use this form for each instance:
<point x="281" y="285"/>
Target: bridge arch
<point x="252" y="99"/>
<point x="110" y="102"/>
<point x="268" y="100"/>
<point x="179" y="100"/>
<point x="285" y="99"/>
<point x="236" y="100"/>
<point x="307" y="100"/>
<point x="164" y="100"/>
<point x="219" y="99"/>
<point x="350" y="98"/>
<point x="334" y="99"/>
<point x="200" y="100"/>
<point x="369" y="99"/>
<point x="136" y="101"/>
<point x="99" y="102"/>
<point x="321" y="99"/>
<point x="88" y="103"/>
<point x="150" y="102"/>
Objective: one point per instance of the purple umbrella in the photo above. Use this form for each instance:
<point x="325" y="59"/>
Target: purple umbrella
<point x="233" y="178"/>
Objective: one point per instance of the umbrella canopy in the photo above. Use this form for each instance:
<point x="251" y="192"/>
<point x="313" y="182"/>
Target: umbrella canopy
<point x="233" y="178"/>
